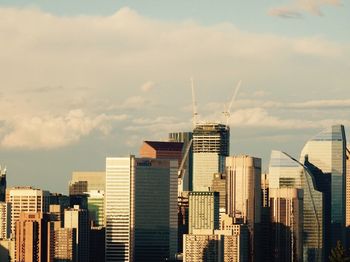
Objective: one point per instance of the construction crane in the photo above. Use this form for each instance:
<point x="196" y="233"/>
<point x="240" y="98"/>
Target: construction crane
<point x="194" y="104"/>
<point x="227" y="112"/>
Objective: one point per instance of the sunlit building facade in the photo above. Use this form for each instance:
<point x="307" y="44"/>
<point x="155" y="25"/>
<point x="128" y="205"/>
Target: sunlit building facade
<point x="327" y="151"/>
<point x="287" y="172"/>
<point x="141" y="209"/>
<point x="211" y="145"/>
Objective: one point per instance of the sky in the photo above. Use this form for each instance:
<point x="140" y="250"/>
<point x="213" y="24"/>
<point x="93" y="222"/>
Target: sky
<point x="82" y="80"/>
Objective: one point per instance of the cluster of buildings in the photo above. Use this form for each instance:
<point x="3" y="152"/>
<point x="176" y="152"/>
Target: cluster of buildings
<point x="188" y="199"/>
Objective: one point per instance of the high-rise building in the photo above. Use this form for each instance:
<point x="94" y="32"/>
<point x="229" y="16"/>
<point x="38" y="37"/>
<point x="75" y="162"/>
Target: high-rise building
<point x="97" y="244"/>
<point x="162" y="150"/>
<point x="96" y="207"/>
<point x="31" y="237"/>
<point x="203" y="211"/>
<point x="83" y="182"/>
<point x="7" y="250"/>
<point x="185" y="138"/>
<point x="244" y="195"/>
<point x="287" y="172"/>
<point x="141" y="209"/>
<point x="211" y="145"/>
<point x="219" y="185"/>
<point x="347" y="221"/>
<point x="182" y="217"/>
<point x="217" y="246"/>
<point x="2" y="184"/>
<point x="78" y="219"/>
<point x="26" y="199"/>
<point x="65" y="245"/>
<point x="5" y="220"/>
<point x="287" y="224"/>
<point x="327" y="151"/>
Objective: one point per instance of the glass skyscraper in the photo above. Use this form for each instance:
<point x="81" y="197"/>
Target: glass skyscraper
<point x="327" y="151"/>
<point x="141" y="209"/>
<point x="287" y="172"/>
<point x="211" y="145"/>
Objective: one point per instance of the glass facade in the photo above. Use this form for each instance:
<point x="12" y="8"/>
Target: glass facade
<point x="287" y="172"/>
<point x="327" y="151"/>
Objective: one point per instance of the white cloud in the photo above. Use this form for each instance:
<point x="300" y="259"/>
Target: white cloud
<point x="297" y="7"/>
<point x="148" y="86"/>
<point x="54" y="131"/>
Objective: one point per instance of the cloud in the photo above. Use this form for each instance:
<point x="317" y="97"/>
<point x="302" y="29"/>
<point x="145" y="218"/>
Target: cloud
<point x="45" y="132"/>
<point x="298" y="7"/>
<point x="148" y="86"/>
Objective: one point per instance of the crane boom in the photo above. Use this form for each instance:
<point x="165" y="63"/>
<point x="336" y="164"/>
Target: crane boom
<point x="227" y="113"/>
<point x="181" y="169"/>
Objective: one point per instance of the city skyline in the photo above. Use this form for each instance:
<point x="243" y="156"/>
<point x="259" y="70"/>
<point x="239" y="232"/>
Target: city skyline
<point x="114" y="88"/>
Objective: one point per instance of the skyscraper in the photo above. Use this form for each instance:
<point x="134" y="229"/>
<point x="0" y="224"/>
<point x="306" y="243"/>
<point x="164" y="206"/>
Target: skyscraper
<point x="2" y="184"/>
<point x="211" y="145"/>
<point x="5" y="220"/>
<point x="327" y="151"/>
<point x="141" y="209"/>
<point x="203" y="211"/>
<point x="96" y="207"/>
<point x="287" y="224"/>
<point x="185" y="138"/>
<point x="219" y="185"/>
<point x="244" y="195"/>
<point x="286" y="172"/>
<point x="31" y="237"/>
<point x="26" y="199"/>
<point x="86" y="181"/>
<point x="78" y="219"/>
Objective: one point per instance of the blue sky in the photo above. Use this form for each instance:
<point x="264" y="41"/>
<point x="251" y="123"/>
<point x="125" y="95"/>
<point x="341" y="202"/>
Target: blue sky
<point x="82" y="80"/>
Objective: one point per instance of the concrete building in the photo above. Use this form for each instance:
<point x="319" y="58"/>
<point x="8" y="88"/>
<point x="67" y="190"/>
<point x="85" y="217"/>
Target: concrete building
<point x="141" y="209"/>
<point x="65" y="245"/>
<point x="162" y="150"/>
<point x="244" y="196"/>
<point x="185" y="138"/>
<point x="287" y="224"/>
<point x="31" y="237"/>
<point x="5" y="220"/>
<point x="203" y="211"/>
<point x="211" y="145"/>
<point x="78" y="219"/>
<point x="26" y="199"/>
<point x="86" y="181"/>
<point x="219" y="245"/>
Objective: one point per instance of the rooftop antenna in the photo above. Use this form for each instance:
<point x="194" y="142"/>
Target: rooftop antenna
<point x="194" y="104"/>
<point x="227" y="112"/>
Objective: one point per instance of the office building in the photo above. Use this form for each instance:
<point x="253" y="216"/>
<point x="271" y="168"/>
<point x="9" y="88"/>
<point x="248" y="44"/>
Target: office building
<point x="211" y="145"/>
<point x="327" y="151"/>
<point x="31" y="237"/>
<point x="97" y="244"/>
<point x="141" y="209"/>
<point x="219" y="185"/>
<point x="186" y="139"/>
<point x="2" y="184"/>
<point x="244" y="195"/>
<point x="162" y="150"/>
<point x="217" y="246"/>
<point x="7" y="250"/>
<point x="287" y="172"/>
<point x="26" y="199"/>
<point x="182" y="218"/>
<point x="86" y="181"/>
<point x="96" y="207"/>
<point x="287" y="224"/>
<point x="203" y="211"/>
<point x="347" y="197"/>
<point x="5" y="220"/>
<point x="65" y="248"/>
<point x="78" y="219"/>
